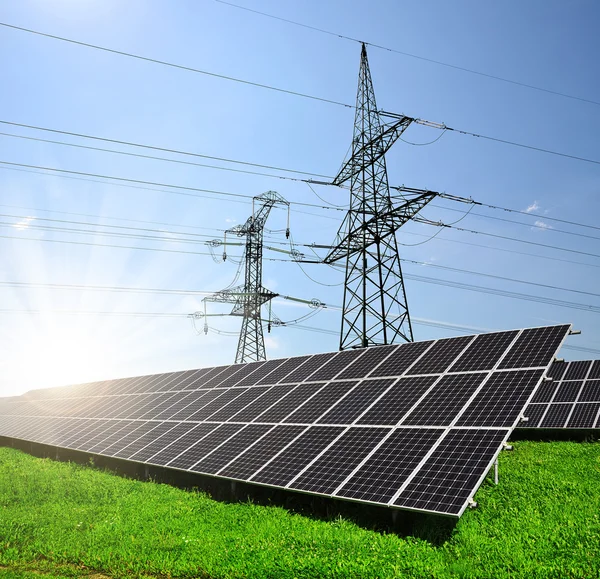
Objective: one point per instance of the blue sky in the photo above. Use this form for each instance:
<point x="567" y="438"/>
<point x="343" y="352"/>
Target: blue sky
<point x="57" y="85"/>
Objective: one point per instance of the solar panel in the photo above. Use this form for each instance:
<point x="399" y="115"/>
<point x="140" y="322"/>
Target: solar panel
<point x="412" y="426"/>
<point x="570" y="400"/>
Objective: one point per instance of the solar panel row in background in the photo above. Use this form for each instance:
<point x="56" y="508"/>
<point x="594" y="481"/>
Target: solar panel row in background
<point x="413" y="426"/>
<point x="571" y="400"/>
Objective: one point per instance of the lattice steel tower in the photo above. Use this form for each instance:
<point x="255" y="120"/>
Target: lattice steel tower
<point x="375" y="308"/>
<point x="249" y="298"/>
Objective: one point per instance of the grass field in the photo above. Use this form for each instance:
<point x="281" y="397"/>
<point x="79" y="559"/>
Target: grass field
<point x="63" y="520"/>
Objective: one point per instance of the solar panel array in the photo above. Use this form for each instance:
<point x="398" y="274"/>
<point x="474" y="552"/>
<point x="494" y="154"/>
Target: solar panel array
<point x="414" y="426"/>
<point x="571" y="400"/>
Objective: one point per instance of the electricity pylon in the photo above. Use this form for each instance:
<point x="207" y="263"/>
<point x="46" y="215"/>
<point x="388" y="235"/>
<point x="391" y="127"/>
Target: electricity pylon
<point x="248" y="299"/>
<point x="375" y="310"/>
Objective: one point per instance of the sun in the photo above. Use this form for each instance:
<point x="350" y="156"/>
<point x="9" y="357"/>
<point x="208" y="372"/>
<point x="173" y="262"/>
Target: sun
<point x="59" y="352"/>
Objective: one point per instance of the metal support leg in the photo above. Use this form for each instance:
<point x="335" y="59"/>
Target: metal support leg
<point x="496" y="471"/>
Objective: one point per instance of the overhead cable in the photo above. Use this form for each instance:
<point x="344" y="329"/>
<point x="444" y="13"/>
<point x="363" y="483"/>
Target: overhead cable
<point x="412" y="55"/>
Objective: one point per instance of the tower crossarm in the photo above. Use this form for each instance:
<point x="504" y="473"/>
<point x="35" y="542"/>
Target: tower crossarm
<point x="360" y="234"/>
<point x="373" y="149"/>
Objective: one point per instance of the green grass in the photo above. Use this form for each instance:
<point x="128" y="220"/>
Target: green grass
<point x="62" y="520"/>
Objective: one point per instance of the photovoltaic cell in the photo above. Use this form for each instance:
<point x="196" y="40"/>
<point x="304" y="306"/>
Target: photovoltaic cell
<point x="595" y="371"/>
<point x="584" y="415"/>
<point x="240" y="402"/>
<point x="577" y="370"/>
<point x="181" y="444"/>
<point x="590" y="391"/>
<point x="308" y="367"/>
<point x="332" y="468"/>
<point x="449" y="476"/>
<point x="245" y="371"/>
<point x="260" y="373"/>
<point x="286" y="465"/>
<point x="534" y="413"/>
<point x="557" y="415"/>
<point x="501" y="399"/>
<point x="400" y="359"/>
<point x="440" y="356"/>
<point x="389" y="466"/>
<point x="441" y="406"/>
<point x="568" y="391"/>
<point x="557" y="370"/>
<point x="545" y="392"/>
<point x="158" y="429"/>
<point x="225" y="397"/>
<point x="261" y="403"/>
<point x="369" y="360"/>
<point x="320" y="402"/>
<point x="532" y="346"/>
<point x="260" y="453"/>
<point x="397" y="401"/>
<point x="278" y="411"/>
<point x="349" y="408"/>
<point x="338" y="363"/>
<point x="229" y="450"/>
<point x="283" y="370"/>
<point x="156" y="445"/>
<point x="207" y="444"/>
<point x="484" y="352"/>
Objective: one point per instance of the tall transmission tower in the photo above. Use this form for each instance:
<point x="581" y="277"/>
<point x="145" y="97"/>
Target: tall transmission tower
<point x="375" y="309"/>
<point x="248" y="299"/>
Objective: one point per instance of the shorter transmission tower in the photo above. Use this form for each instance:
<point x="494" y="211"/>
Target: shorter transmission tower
<point x="248" y="299"/>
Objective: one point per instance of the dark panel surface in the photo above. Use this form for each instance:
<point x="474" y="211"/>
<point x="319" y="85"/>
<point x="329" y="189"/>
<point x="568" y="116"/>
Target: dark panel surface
<point x="501" y="399"/>
<point x="334" y="366"/>
<point x="397" y="401"/>
<point x="484" y="352"/>
<point x="443" y="403"/>
<point x="320" y="402"/>
<point x="584" y="415"/>
<point x="577" y="370"/>
<point x="440" y="356"/>
<point x="368" y="361"/>
<point x="333" y="467"/>
<point x="208" y="443"/>
<point x="450" y="475"/>
<point x="383" y="473"/>
<point x="229" y="450"/>
<point x="533" y="345"/>
<point x="400" y="359"/>
<point x="287" y="405"/>
<point x="534" y="413"/>
<point x="285" y="466"/>
<point x="568" y="391"/>
<point x="557" y="415"/>
<point x="261" y="452"/>
<point x="352" y="405"/>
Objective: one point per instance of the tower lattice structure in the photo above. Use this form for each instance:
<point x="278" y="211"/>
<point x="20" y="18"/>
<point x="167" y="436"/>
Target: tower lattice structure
<point x="249" y="298"/>
<point x="375" y="309"/>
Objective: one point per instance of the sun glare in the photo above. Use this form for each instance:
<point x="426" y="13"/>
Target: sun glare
<point x="58" y="355"/>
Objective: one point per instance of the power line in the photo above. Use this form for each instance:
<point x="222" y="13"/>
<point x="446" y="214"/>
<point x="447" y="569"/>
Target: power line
<point x="152" y="157"/>
<point x="499" y="277"/>
<point x="177" y="66"/>
<point x="521" y="145"/>
<point x="497" y="236"/>
<point x="528" y="213"/>
<point x="507" y="294"/>
<point x="411" y="55"/>
<point x="155" y="148"/>
<point x="139" y="181"/>
<point x="535" y="225"/>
